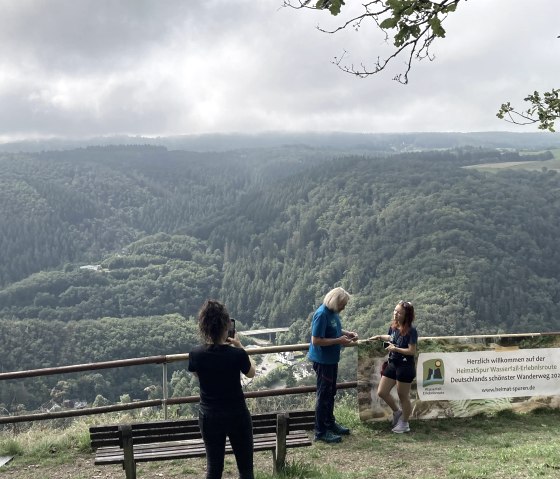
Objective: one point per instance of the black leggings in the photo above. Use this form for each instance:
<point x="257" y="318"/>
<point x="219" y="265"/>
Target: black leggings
<point x="238" y="427"/>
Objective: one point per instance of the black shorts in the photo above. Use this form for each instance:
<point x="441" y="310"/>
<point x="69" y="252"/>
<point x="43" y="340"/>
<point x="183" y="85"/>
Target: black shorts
<point x="401" y="372"/>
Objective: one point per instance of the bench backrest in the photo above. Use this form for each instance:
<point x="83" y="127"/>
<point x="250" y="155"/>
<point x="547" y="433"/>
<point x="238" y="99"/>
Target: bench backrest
<point x="186" y="429"/>
<point x="143" y="433"/>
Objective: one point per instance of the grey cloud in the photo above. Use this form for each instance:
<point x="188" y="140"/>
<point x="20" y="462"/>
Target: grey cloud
<point x="98" y="67"/>
<point x="86" y="34"/>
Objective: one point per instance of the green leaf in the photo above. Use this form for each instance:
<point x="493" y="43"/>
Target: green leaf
<point x="389" y="23"/>
<point x="438" y="30"/>
<point x="333" y="6"/>
<point x="394" y="4"/>
<point x="402" y="35"/>
<point x="336" y="6"/>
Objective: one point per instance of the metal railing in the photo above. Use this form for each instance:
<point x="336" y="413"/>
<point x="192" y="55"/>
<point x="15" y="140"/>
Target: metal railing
<point x="164" y="360"/>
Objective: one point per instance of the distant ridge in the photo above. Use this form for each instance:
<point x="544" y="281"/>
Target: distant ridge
<point x="332" y="140"/>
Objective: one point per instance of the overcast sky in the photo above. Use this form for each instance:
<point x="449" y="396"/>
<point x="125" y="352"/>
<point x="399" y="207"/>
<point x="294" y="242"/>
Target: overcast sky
<point x="81" y="68"/>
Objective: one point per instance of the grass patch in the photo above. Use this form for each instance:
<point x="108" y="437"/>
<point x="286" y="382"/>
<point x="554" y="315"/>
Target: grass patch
<point x="11" y="447"/>
<point x="42" y="443"/>
<point x="300" y="469"/>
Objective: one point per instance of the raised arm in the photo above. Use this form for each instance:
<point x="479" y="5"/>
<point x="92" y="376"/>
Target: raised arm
<point x="342" y="340"/>
<point x="236" y="343"/>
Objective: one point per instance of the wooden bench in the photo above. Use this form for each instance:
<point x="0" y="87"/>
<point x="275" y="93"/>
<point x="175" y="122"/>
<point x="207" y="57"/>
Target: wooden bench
<point x="128" y="444"/>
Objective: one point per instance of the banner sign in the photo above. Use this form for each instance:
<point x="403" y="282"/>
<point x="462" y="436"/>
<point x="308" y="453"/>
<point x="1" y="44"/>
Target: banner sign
<point x="488" y="374"/>
<point x="461" y="376"/>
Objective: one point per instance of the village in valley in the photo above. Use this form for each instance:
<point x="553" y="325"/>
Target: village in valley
<point x="295" y="361"/>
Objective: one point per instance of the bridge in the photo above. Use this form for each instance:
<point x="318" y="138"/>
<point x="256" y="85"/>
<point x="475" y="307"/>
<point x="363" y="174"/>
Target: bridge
<point x="271" y="332"/>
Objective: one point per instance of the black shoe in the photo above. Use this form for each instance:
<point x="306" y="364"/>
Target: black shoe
<point x="339" y="430"/>
<point x="328" y="437"/>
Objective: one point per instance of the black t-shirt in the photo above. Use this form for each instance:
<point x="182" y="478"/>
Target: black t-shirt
<point x="218" y="368"/>
<point x="402" y="342"/>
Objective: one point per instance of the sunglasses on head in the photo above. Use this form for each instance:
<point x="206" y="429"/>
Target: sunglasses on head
<point x="405" y="304"/>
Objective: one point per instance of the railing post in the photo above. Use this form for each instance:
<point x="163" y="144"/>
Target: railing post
<point x="164" y="389"/>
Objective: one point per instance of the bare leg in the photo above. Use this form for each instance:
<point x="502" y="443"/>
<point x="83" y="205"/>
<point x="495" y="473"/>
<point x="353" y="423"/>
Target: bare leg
<point x="403" y="390"/>
<point x="384" y="392"/>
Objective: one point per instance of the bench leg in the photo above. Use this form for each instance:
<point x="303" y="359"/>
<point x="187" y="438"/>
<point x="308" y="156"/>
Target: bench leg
<point x="279" y="454"/>
<point x="129" y="464"/>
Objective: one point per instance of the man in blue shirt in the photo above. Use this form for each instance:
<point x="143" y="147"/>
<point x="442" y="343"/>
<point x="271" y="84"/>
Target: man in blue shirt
<point x="327" y="338"/>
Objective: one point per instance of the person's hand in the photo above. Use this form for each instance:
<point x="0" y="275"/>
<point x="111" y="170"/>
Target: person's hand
<point x="391" y="347"/>
<point x="352" y="335"/>
<point x="373" y="338"/>
<point x="345" y="340"/>
<point x="234" y="341"/>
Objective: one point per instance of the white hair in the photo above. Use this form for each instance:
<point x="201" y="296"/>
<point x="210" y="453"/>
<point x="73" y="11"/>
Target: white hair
<point x="336" y="298"/>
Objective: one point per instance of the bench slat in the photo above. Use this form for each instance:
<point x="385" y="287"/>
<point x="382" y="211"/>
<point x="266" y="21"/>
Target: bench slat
<point x="186" y="423"/>
<point x="183" y="450"/>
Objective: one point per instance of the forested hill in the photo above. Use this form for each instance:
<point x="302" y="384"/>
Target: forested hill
<point x="80" y="205"/>
<point x="269" y="231"/>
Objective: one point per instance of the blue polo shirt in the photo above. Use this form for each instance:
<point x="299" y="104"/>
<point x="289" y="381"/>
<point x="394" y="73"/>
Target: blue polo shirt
<point x="325" y="324"/>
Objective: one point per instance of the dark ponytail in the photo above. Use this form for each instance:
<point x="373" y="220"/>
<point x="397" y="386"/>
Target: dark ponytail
<point x="213" y="321"/>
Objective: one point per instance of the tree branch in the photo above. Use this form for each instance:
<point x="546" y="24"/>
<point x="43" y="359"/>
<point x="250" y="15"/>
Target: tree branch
<point x="410" y="25"/>
<point x="544" y="109"/>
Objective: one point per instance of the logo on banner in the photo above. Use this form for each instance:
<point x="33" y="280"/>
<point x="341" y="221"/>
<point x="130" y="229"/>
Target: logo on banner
<point x="433" y="372"/>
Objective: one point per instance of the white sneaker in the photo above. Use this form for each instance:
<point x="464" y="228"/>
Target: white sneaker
<point x="396" y="416"/>
<point x="401" y="427"/>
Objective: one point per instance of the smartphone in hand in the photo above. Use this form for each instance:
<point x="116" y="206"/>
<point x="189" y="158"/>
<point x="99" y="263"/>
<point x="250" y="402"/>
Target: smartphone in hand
<point x="231" y="330"/>
<point x="386" y="344"/>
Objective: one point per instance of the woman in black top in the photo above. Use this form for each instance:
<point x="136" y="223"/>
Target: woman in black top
<point x="223" y="411"/>
<point x="402" y="339"/>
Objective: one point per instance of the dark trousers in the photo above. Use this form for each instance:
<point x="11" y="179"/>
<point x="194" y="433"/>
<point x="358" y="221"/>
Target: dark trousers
<point x="238" y="427"/>
<point x="326" y="391"/>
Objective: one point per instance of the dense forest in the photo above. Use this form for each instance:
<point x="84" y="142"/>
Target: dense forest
<point x="269" y="231"/>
